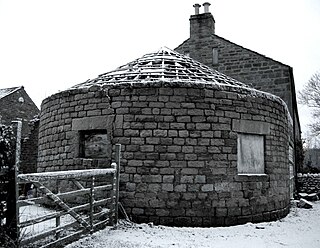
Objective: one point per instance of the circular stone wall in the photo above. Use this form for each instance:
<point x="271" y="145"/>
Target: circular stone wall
<point x="183" y="149"/>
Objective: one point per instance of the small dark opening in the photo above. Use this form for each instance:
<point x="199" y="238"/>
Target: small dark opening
<point x="93" y="144"/>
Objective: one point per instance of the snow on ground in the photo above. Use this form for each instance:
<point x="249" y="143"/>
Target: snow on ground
<point x="30" y="212"/>
<point x="301" y="228"/>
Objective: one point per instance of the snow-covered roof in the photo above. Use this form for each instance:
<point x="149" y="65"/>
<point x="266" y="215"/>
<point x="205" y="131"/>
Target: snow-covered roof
<point x="7" y="91"/>
<point x="164" y="64"/>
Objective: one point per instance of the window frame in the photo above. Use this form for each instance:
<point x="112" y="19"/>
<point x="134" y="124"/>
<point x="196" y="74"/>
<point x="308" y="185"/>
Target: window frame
<point x="82" y="144"/>
<point x="251" y="167"/>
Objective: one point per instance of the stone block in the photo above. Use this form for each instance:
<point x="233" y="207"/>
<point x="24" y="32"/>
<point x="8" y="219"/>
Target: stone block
<point x="178" y="164"/>
<point x="203" y="126"/>
<point x="182" y="221"/>
<point x="152" y="156"/>
<point x="200" y="179"/>
<point x="152" y="140"/>
<point x="174" y="149"/>
<point x="150" y="125"/>
<point x="189" y="171"/>
<point x="144" y="118"/>
<point x="191" y="157"/>
<point x="193" y="187"/>
<point x="246" y="210"/>
<point x="131" y="133"/>
<point x="186" y="179"/>
<point x="207" y="188"/>
<point x="166" y="171"/>
<point x="160" y="163"/>
<point x="130" y="187"/>
<point x="137" y="178"/>
<point x="160" y="133"/>
<point x="234" y="211"/>
<point x="162" y="212"/>
<point x="257" y="218"/>
<point x="152" y="187"/>
<point x="193" y="164"/>
<point x="146" y="148"/>
<point x="168" y="179"/>
<point x="178" y="141"/>
<point x="180" y="188"/>
<point x="187" y="149"/>
<point x="166" y="91"/>
<point x="177" y="212"/>
<point x="177" y="126"/>
<point x="137" y="211"/>
<point x="90" y="123"/>
<point x="172" y="133"/>
<point x="244" y="219"/>
<point x="152" y="178"/>
<point x="136" y="163"/>
<point x="167" y="187"/>
<point x="156" y="203"/>
<point x="253" y="127"/>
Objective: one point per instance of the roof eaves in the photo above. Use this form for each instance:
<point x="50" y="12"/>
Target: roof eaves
<point x="9" y="91"/>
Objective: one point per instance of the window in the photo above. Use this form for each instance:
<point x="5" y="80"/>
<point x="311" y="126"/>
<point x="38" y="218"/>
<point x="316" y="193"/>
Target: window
<point x="94" y="144"/>
<point x="92" y="136"/>
<point x="250" y="154"/>
<point x="214" y="56"/>
<point x="291" y="156"/>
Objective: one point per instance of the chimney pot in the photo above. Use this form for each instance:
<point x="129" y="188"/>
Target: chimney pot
<point x="196" y="8"/>
<point x="206" y="7"/>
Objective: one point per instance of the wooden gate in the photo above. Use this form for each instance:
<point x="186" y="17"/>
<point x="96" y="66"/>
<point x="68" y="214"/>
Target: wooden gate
<point x="61" y="206"/>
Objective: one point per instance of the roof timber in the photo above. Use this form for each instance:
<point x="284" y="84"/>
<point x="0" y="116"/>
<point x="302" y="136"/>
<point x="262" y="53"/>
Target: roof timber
<point x="165" y="64"/>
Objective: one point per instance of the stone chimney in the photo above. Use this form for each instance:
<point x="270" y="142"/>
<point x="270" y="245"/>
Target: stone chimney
<point x="201" y="25"/>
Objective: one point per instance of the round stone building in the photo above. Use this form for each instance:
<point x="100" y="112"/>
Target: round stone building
<point x="198" y="147"/>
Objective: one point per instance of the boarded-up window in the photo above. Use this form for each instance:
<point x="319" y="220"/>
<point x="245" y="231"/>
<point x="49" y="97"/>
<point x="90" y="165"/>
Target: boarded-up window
<point x="94" y="144"/>
<point x="250" y="154"/>
<point x="214" y="56"/>
<point x="291" y="155"/>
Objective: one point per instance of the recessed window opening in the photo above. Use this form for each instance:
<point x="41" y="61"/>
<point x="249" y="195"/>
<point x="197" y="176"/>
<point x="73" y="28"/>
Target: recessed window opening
<point x="93" y="144"/>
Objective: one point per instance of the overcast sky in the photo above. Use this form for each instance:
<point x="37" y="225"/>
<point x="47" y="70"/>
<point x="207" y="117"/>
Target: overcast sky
<point x="50" y="45"/>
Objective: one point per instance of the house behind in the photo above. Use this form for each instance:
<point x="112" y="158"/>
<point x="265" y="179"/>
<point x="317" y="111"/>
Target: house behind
<point x="245" y="65"/>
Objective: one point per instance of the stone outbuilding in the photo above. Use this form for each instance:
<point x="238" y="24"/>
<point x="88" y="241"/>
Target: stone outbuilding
<point x="198" y="147"/>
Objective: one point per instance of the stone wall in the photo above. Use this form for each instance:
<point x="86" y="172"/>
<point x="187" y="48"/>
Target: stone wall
<point x="309" y="183"/>
<point x="245" y="65"/>
<point x="29" y="151"/>
<point x="179" y="149"/>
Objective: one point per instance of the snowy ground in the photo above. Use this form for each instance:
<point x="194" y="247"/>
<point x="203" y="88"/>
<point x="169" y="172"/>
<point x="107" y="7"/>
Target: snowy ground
<point x="301" y="228"/>
<point x="33" y="211"/>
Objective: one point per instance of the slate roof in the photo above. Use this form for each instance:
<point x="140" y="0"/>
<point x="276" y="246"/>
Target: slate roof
<point x="7" y="91"/>
<point x="162" y="65"/>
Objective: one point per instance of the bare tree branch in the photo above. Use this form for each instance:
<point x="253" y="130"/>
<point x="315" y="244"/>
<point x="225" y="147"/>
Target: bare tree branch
<point x="310" y="96"/>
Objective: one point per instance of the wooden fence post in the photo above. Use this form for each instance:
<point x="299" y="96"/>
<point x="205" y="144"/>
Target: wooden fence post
<point x="58" y="219"/>
<point x="91" y="203"/>
<point x="117" y="159"/>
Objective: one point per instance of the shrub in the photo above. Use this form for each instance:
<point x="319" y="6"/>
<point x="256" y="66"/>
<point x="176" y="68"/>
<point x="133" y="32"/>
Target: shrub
<point x="6" y="146"/>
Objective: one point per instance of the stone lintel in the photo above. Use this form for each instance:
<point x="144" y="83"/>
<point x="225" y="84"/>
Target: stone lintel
<point x="251" y="127"/>
<point x="92" y="123"/>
